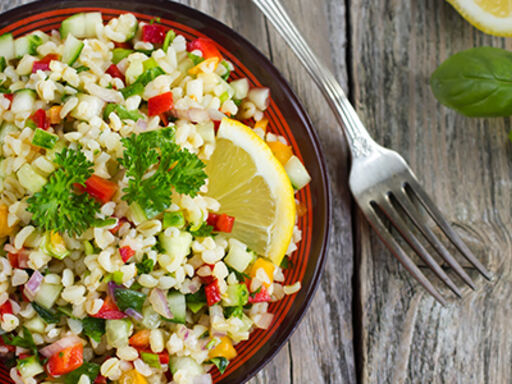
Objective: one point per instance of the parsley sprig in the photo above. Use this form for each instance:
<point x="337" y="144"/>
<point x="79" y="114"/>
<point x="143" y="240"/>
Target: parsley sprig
<point x="154" y="165"/>
<point x="57" y="207"/>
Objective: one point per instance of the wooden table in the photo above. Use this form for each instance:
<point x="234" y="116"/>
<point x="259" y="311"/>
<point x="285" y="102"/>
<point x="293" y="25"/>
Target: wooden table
<point x="369" y="321"/>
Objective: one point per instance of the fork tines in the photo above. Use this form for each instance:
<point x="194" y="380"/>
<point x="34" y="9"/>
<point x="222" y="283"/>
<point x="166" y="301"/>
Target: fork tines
<point x="387" y="205"/>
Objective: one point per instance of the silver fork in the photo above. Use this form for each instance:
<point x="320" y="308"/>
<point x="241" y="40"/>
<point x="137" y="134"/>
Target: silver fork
<point x="381" y="182"/>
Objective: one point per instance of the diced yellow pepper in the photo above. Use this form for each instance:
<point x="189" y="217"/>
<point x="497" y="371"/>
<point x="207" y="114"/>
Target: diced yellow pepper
<point x="208" y="65"/>
<point x="132" y="377"/>
<point x="5" y="230"/>
<point x="281" y="152"/>
<point x="262" y="124"/>
<point x="54" y="114"/>
<point x="266" y="266"/>
<point x="57" y="242"/>
<point x="223" y="349"/>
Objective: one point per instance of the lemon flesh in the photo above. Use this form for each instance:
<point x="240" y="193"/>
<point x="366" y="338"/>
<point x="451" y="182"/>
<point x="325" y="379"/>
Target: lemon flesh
<point x="251" y="185"/>
<point x="491" y="16"/>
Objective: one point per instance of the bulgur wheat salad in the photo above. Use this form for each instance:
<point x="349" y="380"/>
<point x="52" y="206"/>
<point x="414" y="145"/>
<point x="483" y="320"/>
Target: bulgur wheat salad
<point x="145" y="229"/>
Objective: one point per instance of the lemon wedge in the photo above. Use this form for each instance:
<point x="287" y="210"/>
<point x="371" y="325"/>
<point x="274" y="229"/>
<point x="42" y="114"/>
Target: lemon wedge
<point x="252" y="185"/>
<point x="491" y="16"/>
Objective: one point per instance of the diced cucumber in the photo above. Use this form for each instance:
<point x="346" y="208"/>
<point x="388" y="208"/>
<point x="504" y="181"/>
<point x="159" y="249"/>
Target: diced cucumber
<point x="119" y="54"/>
<point x="36" y="324"/>
<point x="238" y="258"/>
<point x="50" y="154"/>
<point x="26" y="45"/>
<point x="23" y="101"/>
<point x="134" y="70"/>
<point x="88" y="107"/>
<point x="241" y="88"/>
<point x="3" y="63"/>
<point x="186" y="364"/>
<point x="47" y="294"/>
<point x="136" y="214"/>
<point x="178" y="306"/>
<point x="206" y="131"/>
<point x="91" y="20"/>
<point x="236" y="296"/>
<point x="118" y="332"/>
<point x="44" y="139"/>
<point x="173" y="219"/>
<point x="151" y="318"/>
<point x="74" y="25"/>
<point x="149" y="63"/>
<point x="29" y="367"/>
<point x="297" y="173"/>
<point x="43" y="36"/>
<point x="7" y="46"/>
<point x="6" y="129"/>
<point x="30" y="179"/>
<point x="72" y="49"/>
<point x="177" y="246"/>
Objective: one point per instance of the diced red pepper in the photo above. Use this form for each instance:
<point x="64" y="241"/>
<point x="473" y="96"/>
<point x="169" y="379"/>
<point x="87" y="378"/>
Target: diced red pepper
<point x="162" y="356"/>
<point x="225" y="223"/>
<point x="212" y="219"/>
<point x="206" y="46"/>
<point x="101" y="189"/>
<point x="24" y="356"/>
<point x="109" y="310"/>
<point x="126" y="253"/>
<point x="119" y="224"/>
<point x="100" y="380"/>
<point x="39" y="117"/>
<point x="114" y="71"/>
<point x="44" y="63"/>
<point x="216" y="125"/>
<point x="18" y="260"/>
<point x="160" y="104"/>
<point x="212" y="292"/>
<point x="66" y="360"/>
<point x="6" y="308"/>
<point x="9" y="96"/>
<point x="154" y="33"/>
<point x="260" y="297"/>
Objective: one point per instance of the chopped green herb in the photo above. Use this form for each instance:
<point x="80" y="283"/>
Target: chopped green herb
<point x="237" y="102"/>
<point x="93" y="327"/>
<point x="233" y="311"/>
<point x="204" y="230"/>
<point x="169" y="37"/>
<point x="91" y="370"/>
<point x="195" y="59"/>
<point x="221" y="363"/>
<point x="67" y="311"/>
<point x="196" y="301"/>
<point x="240" y="276"/>
<point x="3" y="63"/>
<point x="117" y="277"/>
<point x="122" y="112"/>
<point x="82" y="68"/>
<point x="129" y="298"/>
<point x="25" y="341"/>
<point x="145" y="265"/>
<point x="57" y="207"/>
<point x="119" y="54"/>
<point x="286" y="263"/>
<point x="51" y="317"/>
<point x="99" y="223"/>
<point x="151" y="359"/>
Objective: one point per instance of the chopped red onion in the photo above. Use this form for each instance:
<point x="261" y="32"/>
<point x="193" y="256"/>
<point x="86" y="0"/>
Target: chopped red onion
<point x="142" y="124"/>
<point x="260" y="97"/>
<point x="263" y="320"/>
<point x="191" y="286"/>
<point x="134" y="314"/>
<point x="32" y="285"/>
<point x="59" y="345"/>
<point x="111" y="287"/>
<point x="159" y="303"/>
<point x="202" y="379"/>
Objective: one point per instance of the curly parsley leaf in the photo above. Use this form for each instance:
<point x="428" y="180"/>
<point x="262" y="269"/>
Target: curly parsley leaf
<point x="204" y="230"/>
<point x="154" y="165"/>
<point x="57" y="207"/>
<point x="50" y="316"/>
<point x="92" y="370"/>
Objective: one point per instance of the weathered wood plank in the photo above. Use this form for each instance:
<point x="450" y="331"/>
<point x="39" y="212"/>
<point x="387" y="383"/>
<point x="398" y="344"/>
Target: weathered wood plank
<point x="465" y="165"/>
<point x="321" y="350"/>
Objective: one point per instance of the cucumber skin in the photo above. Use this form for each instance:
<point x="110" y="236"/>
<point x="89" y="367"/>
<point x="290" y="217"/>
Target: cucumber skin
<point x="7" y="43"/>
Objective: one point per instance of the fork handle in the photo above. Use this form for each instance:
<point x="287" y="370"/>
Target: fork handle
<point x="359" y="140"/>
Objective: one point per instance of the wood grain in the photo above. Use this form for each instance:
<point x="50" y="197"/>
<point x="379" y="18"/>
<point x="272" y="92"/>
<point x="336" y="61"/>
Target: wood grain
<point x="321" y="349"/>
<point x="465" y="165"/>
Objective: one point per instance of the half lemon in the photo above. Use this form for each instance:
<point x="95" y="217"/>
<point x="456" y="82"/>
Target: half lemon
<point x="491" y="16"/>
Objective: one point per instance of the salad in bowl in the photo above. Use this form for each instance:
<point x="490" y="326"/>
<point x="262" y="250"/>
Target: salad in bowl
<point x="146" y="212"/>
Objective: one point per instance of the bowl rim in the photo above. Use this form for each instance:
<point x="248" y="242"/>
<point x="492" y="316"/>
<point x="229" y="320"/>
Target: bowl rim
<point x="33" y="8"/>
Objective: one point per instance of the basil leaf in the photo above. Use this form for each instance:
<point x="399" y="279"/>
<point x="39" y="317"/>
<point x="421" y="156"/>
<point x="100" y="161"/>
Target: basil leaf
<point x="476" y="82"/>
<point x="127" y="298"/>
